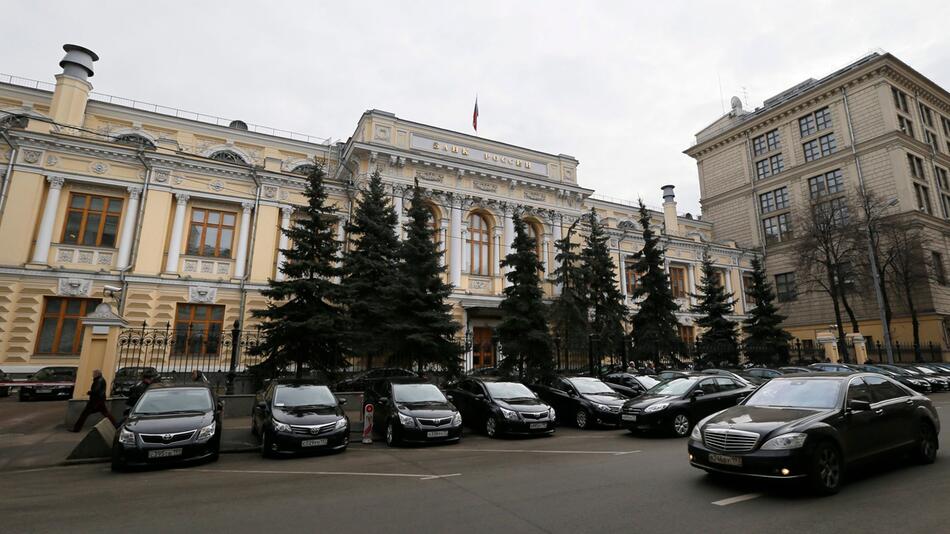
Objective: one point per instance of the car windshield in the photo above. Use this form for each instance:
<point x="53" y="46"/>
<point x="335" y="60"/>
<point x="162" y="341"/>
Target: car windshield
<point x="163" y="401"/>
<point x="509" y="390"/>
<point x="52" y="373"/>
<point x="291" y="395"/>
<point x="896" y="370"/>
<point x="131" y="372"/>
<point x="417" y="393"/>
<point x="591" y="386"/>
<point x="911" y="371"/>
<point x="648" y="381"/>
<point x="677" y="386"/>
<point x="800" y="393"/>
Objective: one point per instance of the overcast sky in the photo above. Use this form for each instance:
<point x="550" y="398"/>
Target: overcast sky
<point x="621" y="86"/>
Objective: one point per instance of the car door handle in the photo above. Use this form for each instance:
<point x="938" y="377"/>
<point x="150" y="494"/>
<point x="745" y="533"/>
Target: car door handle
<point x="879" y="411"/>
<point x="909" y="401"/>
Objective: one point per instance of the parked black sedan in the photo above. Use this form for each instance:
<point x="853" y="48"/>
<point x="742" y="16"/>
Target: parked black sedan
<point x="49" y="383"/>
<point x="813" y="427"/>
<point x="412" y="410"/>
<point x="363" y="381"/>
<point x="917" y="384"/>
<point x="759" y="375"/>
<point x="500" y="407"/>
<point x="630" y="384"/>
<point x="677" y="404"/>
<point x="169" y="424"/>
<point x="295" y="416"/>
<point x="584" y="401"/>
<point x="4" y="384"/>
<point x="126" y="377"/>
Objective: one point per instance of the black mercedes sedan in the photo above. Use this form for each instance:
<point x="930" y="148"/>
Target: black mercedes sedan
<point x="169" y="424"/>
<point x="630" y="384"/>
<point x="298" y="416"/>
<point x="813" y="427"/>
<point x="677" y="404"/>
<point x="51" y="383"/>
<point x="498" y="407"/>
<point x="917" y="384"/>
<point x="584" y="401"/>
<point x="412" y="410"/>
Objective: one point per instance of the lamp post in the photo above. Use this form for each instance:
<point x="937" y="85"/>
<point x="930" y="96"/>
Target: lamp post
<point x="876" y="278"/>
<point x="557" y="348"/>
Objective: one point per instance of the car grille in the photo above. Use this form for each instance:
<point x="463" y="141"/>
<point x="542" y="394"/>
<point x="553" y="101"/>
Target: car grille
<point x="167" y="438"/>
<point x="435" y="422"/>
<point x="613" y="409"/>
<point x="632" y="410"/>
<point x="728" y="440"/>
<point x="311" y="430"/>
<point x="534" y="415"/>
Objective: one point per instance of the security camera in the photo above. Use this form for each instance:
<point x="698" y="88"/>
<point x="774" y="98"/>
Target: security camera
<point x="111" y="289"/>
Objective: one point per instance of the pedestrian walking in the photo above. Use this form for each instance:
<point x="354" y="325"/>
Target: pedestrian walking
<point x="149" y="377"/>
<point x="96" y="402"/>
<point x="198" y="376"/>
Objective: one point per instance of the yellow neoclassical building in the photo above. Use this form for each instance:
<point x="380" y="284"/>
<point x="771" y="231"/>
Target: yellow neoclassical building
<point x="184" y="212"/>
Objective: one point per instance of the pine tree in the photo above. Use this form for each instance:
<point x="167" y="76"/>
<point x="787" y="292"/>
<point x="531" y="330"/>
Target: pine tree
<point x="765" y="342"/>
<point x="423" y="326"/>
<point x="304" y="322"/>
<point x="719" y="339"/>
<point x="523" y="332"/>
<point x="569" y="310"/>
<point x="604" y="295"/>
<point x="369" y="273"/>
<point x="654" y="323"/>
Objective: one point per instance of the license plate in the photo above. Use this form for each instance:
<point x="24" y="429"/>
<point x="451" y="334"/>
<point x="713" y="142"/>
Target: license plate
<point x="438" y="434"/>
<point x="725" y="460"/>
<point x="313" y="442"/>
<point x="627" y="417"/>
<point x="44" y="391"/>
<point x="164" y="453"/>
<point x="535" y="426"/>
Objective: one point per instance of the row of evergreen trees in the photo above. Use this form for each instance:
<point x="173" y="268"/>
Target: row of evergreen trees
<point x="385" y="299"/>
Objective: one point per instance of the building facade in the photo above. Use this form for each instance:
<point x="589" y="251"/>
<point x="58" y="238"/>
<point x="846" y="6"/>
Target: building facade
<point x="184" y="213"/>
<point x="876" y="121"/>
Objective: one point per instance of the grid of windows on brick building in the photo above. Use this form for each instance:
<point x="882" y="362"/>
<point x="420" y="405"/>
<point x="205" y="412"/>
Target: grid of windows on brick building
<point x="814" y="122"/>
<point x="774" y="200"/>
<point x="785" y="289"/>
<point x="828" y="183"/>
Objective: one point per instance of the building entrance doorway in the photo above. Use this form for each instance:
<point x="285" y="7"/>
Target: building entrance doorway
<point x="483" y="348"/>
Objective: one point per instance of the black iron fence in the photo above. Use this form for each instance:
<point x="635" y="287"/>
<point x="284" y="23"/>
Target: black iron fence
<point x="907" y="352"/>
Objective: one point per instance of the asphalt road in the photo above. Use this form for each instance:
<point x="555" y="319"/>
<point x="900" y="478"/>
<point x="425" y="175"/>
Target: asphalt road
<point x="594" y="481"/>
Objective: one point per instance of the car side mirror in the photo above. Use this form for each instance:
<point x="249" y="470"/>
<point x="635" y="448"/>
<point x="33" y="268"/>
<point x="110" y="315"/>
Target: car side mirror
<point x="741" y="398"/>
<point x="697" y="393"/>
<point x="383" y="401"/>
<point x="450" y="397"/>
<point x="479" y="396"/>
<point x="856" y="405"/>
<point x="261" y="406"/>
<point x="341" y="400"/>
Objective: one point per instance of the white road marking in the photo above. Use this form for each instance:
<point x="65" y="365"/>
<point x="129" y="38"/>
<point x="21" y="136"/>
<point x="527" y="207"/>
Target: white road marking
<point x="324" y="473"/>
<point x="540" y="451"/>
<point x="738" y="498"/>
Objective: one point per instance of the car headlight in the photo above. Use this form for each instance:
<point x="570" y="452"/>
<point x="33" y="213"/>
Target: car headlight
<point x="794" y="440"/>
<point x="509" y="414"/>
<point x="656" y="407"/>
<point x="281" y="427"/>
<point x="552" y="414"/>
<point x="407" y="421"/>
<point x="602" y="407"/>
<point x="696" y="435"/>
<point x="207" y="432"/>
<point x="457" y="420"/>
<point x="340" y="424"/>
<point x="126" y="437"/>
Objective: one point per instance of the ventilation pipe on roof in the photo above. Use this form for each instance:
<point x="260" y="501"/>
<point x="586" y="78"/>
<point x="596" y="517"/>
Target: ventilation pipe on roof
<point x="669" y="211"/>
<point x="72" y="86"/>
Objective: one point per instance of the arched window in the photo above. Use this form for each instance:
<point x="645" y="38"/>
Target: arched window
<point x="306" y="169"/>
<point x="135" y="140"/>
<point x="534" y="230"/>
<point x="228" y="156"/>
<point x="435" y="225"/>
<point x="479" y="242"/>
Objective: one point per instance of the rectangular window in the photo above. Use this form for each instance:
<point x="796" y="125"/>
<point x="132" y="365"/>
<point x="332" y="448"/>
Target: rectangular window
<point x="630" y="272"/>
<point x="747" y="286"/>
<point x="923" y="198"/>
<point x="777" y="228"/>
<point x="942" y="182"/>
<point x="945" y="203"/>
<point x="814" y="122"/>
<point x="937" y="259"/>
<point x="60" y="326"/>
<point x="92" y="220"/>
<point x="916" y="166"/>
<point x="826" y="184"/>
<point x="828" y="144"/>
<point x="198" y="330"/>
<point x="931" y="138"/>
<point x="774" y="200"/>
<point x="769" y="166"/>
<point x="900" y="100"/>
<point x="811" y="150"/>
<point x="839" y="211"/>
<point x="806" y="125"/>
<point x="905" y="125"/>
<point x="678" y="282"/>
<point x="926" y="114"/>
<point x="946" y="126"/>
<point x="685" y="333"/>
<point x="766" y="143"/>
<point x="785" y="289"/>
<point x="211" y="233"/>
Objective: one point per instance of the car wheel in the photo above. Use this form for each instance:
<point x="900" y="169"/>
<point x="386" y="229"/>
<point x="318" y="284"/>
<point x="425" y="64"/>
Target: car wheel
<point x="680" y="425"/>
<point x="266" y="444"/>
<point x="581" y="419"/>
<point x="927" y="444"/>
<point x="491" y="427"/>
<point x="391" y="438"/>
<point x="827" y="469"/>
<point x="254" y="431"/>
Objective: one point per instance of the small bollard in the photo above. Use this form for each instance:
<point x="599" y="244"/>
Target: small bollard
<point x="368" y="424"/>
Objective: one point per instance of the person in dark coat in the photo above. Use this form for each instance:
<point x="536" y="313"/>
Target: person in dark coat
<point x="96" y="402"/>
<point x="148" y="378"/>
<point x="198" y="376"/>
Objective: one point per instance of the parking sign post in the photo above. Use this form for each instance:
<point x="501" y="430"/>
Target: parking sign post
<point x="368" y="424"/>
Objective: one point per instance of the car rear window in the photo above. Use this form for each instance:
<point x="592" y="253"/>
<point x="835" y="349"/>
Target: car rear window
<point x="797" y="393"/>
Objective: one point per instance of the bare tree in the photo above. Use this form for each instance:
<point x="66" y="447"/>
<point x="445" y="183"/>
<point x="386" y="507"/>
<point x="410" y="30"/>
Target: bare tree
<point x="827" y="252"/>
<point x="872" y="210"/>
<point x="908" y="267"/>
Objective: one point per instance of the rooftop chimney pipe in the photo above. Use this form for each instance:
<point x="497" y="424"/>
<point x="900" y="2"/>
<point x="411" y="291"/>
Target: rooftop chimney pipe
<point x="77" y="62"/>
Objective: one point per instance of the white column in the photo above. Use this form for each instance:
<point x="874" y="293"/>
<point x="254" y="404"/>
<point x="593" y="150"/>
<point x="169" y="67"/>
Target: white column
<point x="497" y="236"/>
<point x="691" y="280"/>
<point x="341" y="233"/>
<point x="455" y="245"/>
<point x="466" y="251"/>
<point x="443" y="235"/>
<point x="246" y="208"/>
<point x="45" y="235"/>
<point x="128" y="227"/>
<point x="556" y="230"/>
<point x="728" y="276"/>
<point x="509" y="237"/>
<point x="284" y="241"/>
<point x="623" y="275"/>
<point x="397" y="204"/>
<point x="178" y="227"/>
<point x="544" y="254"/>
